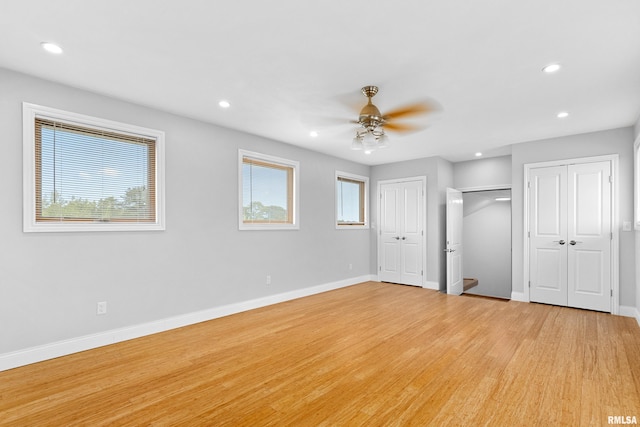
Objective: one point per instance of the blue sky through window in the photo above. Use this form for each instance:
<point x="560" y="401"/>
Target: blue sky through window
<point x="348" y="201"/>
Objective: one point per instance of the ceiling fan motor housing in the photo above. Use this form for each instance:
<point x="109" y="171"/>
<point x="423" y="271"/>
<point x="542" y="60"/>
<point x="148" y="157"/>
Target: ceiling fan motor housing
<point x="370" y="116"/>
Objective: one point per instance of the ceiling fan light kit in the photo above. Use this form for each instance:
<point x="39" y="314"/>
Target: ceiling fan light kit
<point x="371" y="135"/>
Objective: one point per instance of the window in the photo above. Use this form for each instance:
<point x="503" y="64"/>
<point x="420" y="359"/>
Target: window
<point x="268" y="192"/>
<point x="87" y="174"/>
<point x="352" y="201"/>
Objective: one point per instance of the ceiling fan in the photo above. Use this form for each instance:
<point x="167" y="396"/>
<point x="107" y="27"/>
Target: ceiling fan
<point x="371" y="136"/>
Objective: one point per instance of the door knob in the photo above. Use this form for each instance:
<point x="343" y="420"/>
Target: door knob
<point x="397" y="238"/>
<point x="562" y="242"/>
<point x="403" y="238"/>
<point x="573" y="242"/>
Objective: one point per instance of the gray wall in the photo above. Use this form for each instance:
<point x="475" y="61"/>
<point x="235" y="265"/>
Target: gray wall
<point x="617" y="141"/>
<point x="50" y="282"/>
<point x="486" y="236"/>
<point x="491" y="172"/>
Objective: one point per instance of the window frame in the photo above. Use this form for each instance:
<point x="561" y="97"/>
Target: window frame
<point x="30" y="112"/>
<point x="364" y="198"/>
<point x="293" y="187"/>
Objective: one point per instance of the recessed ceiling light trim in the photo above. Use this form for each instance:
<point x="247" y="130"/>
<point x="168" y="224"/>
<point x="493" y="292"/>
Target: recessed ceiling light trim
<point x="562" y="115"/>
<point x="224" y="104"/>
<point x="478" y="154"/>
<point x="551" y="68"/>
<point x="313" y="134"/>
<point x="51" y="48"/>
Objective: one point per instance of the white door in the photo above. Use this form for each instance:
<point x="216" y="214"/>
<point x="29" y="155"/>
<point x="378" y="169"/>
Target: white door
<point x="455" y="279"/>
<point x="548" y="235"/>
<point x="401" y="232"/>
<point x="589" y="236"/>
<point x="570" y="235"/>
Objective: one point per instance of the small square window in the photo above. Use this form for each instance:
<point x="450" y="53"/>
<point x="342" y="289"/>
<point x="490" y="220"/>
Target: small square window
<point x="268" y="192"/>
<point x="352" y="209"/>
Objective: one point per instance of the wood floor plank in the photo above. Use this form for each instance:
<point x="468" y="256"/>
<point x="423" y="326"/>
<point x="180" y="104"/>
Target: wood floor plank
<point x="369" y="354"/>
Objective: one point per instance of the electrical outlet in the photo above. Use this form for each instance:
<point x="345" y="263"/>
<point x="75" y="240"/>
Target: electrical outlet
<point x="268" y="279"/>
<point x="101" y="308"/>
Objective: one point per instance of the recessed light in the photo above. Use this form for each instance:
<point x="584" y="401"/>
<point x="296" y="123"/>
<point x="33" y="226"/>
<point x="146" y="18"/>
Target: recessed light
<point x="503" y="199"/>
<point x="551" y="68"/>
<point x="562" y="115"/>
<point x="224" y="104"/>
<point x="51" y="47"/>
<point x="313" y="134"/>
<point x="478" y="154"/>
<point x="367" y="152"/>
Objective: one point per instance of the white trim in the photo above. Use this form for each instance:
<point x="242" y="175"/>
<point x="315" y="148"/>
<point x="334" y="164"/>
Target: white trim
<point x="423" y="179"/>
<point x="29" y="114"/>
<point x="485" y="188"/>
<point x="431" y="285"/>
<point x="630" y="311"/>
<point x="615" y="260"/>
<point x="296" y="191"/>
<point x="62" y="348"/>
<point x="365" y="179"/>
<point x="518" y="296"/>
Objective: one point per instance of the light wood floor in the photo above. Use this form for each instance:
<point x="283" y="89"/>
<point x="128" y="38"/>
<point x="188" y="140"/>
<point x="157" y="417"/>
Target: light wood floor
<point x="370" y="354"/>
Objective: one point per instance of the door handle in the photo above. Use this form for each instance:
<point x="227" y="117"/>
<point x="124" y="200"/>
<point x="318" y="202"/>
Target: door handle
<point x="573" y="242"/>
<point x="403" y="238"/>
<point x="562" y="242"/>
<point x="449" y="250"/>
<point x="397" y="238"/>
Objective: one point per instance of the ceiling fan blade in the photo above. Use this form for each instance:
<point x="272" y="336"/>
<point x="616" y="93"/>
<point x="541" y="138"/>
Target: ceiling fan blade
<point x="413" y="110"/>
<point x="401" y="127"/>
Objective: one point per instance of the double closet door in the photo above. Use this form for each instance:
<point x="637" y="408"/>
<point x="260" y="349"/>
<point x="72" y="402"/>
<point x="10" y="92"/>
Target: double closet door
<point x="401" y="241"/>
<point x="570" y="235"/>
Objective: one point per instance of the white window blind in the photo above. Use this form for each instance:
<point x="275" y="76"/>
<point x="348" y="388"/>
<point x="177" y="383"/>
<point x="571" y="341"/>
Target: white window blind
<point x="85" y="174"/>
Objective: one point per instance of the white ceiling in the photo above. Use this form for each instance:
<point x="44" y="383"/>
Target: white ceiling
<point x="289" y="66"/>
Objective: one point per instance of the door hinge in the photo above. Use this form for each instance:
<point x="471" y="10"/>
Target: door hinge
<point x="422" y="232"/>
<point x="529" y="283"/>
<point x="611" y="292"/>
<point x="611" y="236"/>
<point x="610" y="179"/>
<point x="380" y="268"/>
<point x="422" y="272"/>
<point x="528" y="184"/>
<point x="528" y="234"/>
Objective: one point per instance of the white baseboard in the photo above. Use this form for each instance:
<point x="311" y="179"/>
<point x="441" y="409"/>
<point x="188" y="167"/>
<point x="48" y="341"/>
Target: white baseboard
<point x="518" y="296"/>
<point x="628" y="311"/>
<point x="431" y="285"/>
<point x="62" y="348"/>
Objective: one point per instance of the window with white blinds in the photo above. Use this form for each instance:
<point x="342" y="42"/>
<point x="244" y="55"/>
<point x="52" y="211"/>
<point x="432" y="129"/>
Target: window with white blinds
<point x="92" y="174"/>
<point x="351" y="200"/>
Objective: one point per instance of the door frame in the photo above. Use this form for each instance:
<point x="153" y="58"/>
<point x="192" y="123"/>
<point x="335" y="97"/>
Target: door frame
<point x="379" y="184"/>
<point x="615" y="221"/>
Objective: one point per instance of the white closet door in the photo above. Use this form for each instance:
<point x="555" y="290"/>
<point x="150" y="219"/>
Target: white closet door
<point x="548" y="235"/>
<point x="570" y="235"/>
<point x="401" y="233"/>
<point x="589" y="236"/>
<point x="390" y="230"/>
